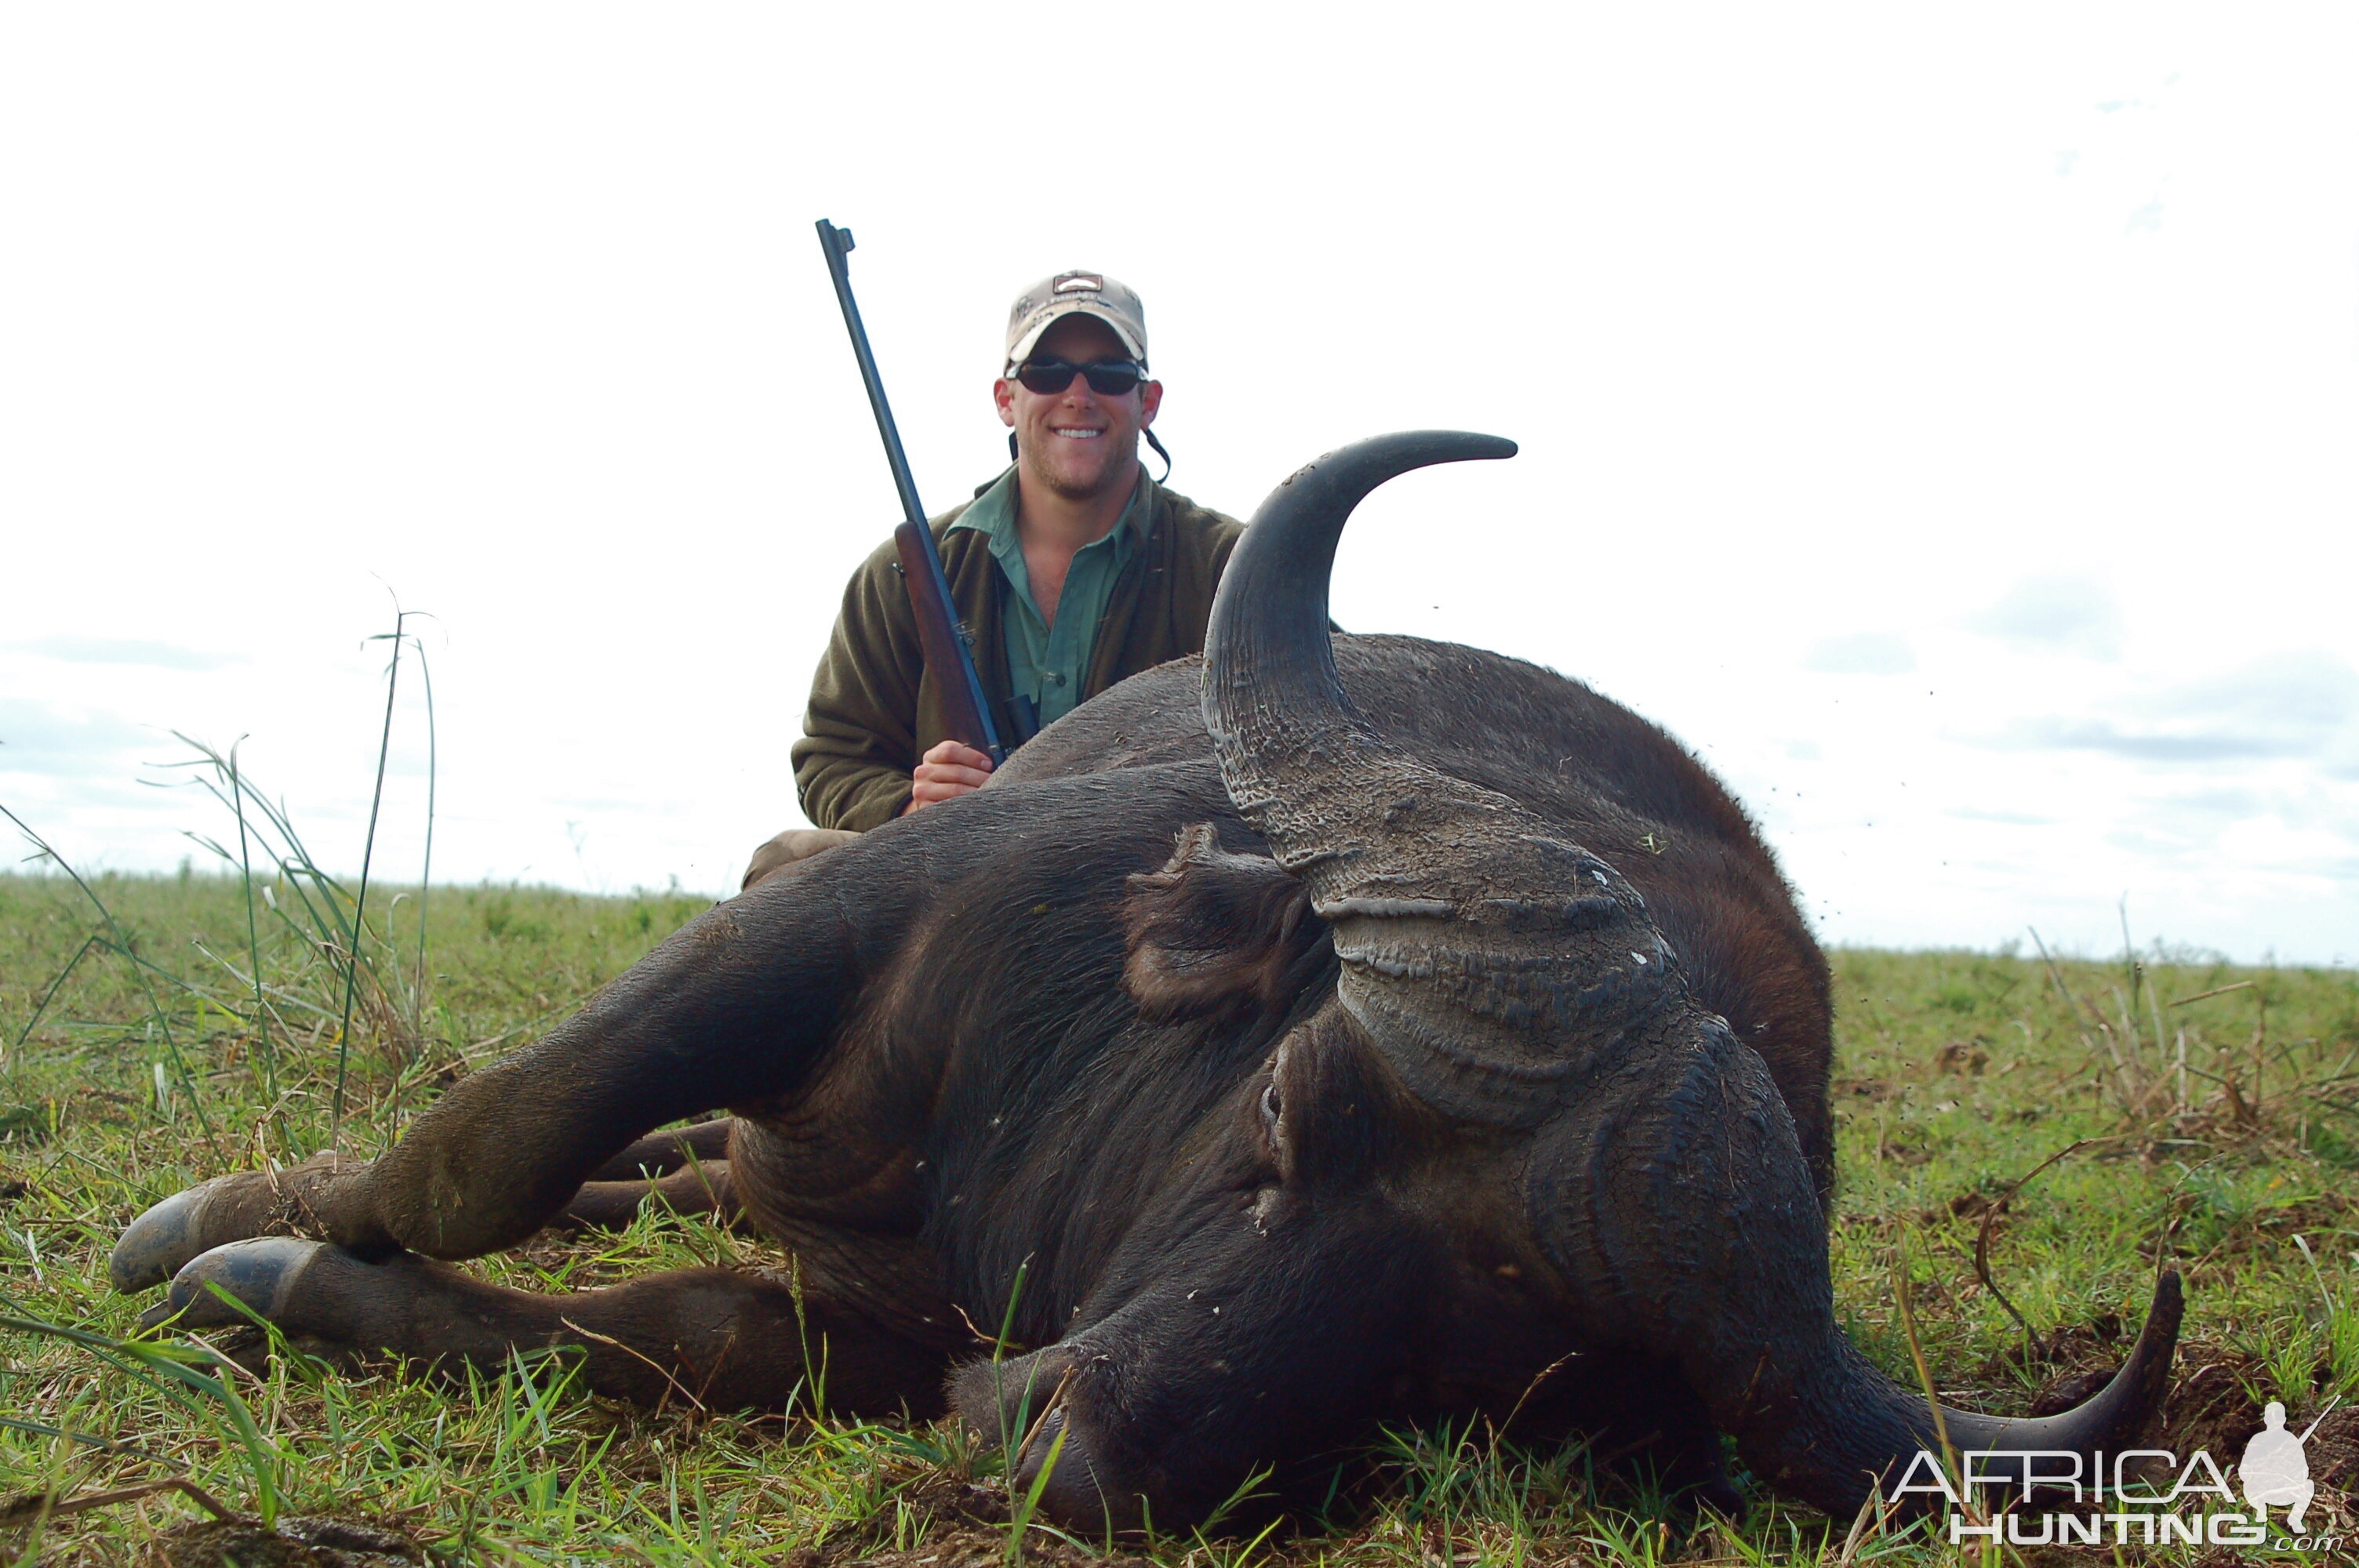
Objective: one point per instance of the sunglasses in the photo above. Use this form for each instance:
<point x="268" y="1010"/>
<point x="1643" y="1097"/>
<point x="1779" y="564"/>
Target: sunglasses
<point x="1108" y="378"/>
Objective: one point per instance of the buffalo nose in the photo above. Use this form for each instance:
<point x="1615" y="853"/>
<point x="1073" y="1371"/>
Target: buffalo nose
<point x="1074" y="1494"/>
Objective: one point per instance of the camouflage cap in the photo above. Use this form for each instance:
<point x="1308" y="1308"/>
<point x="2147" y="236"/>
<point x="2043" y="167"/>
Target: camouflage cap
<point x="1076" y="293"/>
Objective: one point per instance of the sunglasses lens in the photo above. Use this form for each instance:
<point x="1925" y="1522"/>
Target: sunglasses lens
<point x="1046" y="378"/>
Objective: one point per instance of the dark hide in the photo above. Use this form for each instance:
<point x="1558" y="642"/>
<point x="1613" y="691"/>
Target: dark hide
<point x="1529" y="1117"/>
<point x="1043" y="1039"/>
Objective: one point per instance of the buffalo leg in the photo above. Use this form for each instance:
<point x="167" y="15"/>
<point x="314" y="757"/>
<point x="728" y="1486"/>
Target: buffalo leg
<point x="705" y="1337"/>
<point x="689" y="1165"/>
<point x="661" y="1153"/>
<point x="734" y="1009"/>
<point x="706" y="1189"/>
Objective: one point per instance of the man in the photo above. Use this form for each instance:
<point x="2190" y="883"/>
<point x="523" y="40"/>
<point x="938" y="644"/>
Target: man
<point x="1073" y="570"/>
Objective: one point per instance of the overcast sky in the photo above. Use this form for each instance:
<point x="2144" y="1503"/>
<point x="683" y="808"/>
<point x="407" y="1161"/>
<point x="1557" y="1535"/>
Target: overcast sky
<point x="1947" y="423"/>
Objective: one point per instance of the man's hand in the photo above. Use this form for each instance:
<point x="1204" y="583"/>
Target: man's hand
<point x="950" y="770"/>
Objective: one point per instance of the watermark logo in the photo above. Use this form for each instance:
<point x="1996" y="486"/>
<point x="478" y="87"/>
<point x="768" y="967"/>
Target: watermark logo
<point x="2114" y="1501"/>
<point x="2276" y="1468"/>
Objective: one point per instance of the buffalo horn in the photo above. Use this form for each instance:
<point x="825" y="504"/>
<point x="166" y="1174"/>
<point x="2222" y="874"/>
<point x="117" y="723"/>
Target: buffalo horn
<point x="1483" y="954"/>
<point x="1857" y="1429"/>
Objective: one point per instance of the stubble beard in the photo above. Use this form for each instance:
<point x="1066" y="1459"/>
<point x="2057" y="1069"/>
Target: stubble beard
<point x="1113" y="474"/>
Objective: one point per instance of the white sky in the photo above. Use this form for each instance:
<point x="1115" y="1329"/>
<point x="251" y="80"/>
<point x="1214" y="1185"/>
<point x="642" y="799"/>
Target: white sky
<point x="1943" y="422"/>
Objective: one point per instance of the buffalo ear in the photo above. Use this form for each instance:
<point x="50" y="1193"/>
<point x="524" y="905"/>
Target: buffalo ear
<point x="1212" y="930"/>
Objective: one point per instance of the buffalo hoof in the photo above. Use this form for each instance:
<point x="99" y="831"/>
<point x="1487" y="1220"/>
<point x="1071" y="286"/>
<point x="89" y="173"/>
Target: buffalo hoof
<point x="261" y="1275"/>
<point x="161" y="1240"/>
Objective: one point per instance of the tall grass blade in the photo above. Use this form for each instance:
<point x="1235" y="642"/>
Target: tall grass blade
<point x="368" y="852"/>
<point x="321" y="896"/>
<point x="122" y="946"/>
<point x="253" y="936"/>
<point x="1022" y="1520"/>
<point x="426" y="867"/>
<point x="42" y="1006"/>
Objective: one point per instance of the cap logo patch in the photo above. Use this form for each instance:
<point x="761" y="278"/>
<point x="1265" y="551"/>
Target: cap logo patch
<point x="1076" y="292"/>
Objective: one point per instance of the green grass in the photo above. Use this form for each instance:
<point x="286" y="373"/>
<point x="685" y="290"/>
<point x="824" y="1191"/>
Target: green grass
<point x="2224" y="1121"/>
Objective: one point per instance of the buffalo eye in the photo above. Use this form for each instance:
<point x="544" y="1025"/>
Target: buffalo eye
<point x="1276" y="1144"/>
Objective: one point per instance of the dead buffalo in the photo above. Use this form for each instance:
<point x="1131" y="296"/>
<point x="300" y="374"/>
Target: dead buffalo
<point x="1328" y="1034"/>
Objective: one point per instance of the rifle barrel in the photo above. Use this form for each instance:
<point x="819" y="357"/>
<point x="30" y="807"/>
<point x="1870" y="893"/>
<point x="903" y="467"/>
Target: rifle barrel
<point x="837" y="243"/>
<point x="967" y="680"/>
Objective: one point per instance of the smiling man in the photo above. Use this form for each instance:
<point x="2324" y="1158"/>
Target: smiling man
<point x="1074" y="569"/>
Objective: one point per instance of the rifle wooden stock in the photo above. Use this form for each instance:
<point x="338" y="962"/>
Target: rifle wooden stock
<point x="947" y="652"/>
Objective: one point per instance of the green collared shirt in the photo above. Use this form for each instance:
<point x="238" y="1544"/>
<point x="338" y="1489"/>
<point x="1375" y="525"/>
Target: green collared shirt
<point x="874" y="707"/>
<point x="1047" y="663"/>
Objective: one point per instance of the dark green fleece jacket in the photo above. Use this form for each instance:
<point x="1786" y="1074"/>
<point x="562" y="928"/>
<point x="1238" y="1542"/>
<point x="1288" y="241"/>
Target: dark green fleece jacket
<point x="876" y="709"/>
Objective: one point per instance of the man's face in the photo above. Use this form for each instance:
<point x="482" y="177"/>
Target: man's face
<point x="1076" y="442"/>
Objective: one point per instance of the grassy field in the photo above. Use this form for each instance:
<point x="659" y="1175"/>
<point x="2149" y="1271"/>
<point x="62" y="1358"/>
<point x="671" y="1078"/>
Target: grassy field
<point x="161" y="1039"/>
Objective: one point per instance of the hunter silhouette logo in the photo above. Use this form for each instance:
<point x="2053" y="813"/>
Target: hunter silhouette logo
<point x="2275" y="1466"/>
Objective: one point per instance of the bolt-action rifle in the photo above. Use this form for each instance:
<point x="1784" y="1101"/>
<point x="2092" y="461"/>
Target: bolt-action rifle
<point x="949" y="650"/>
